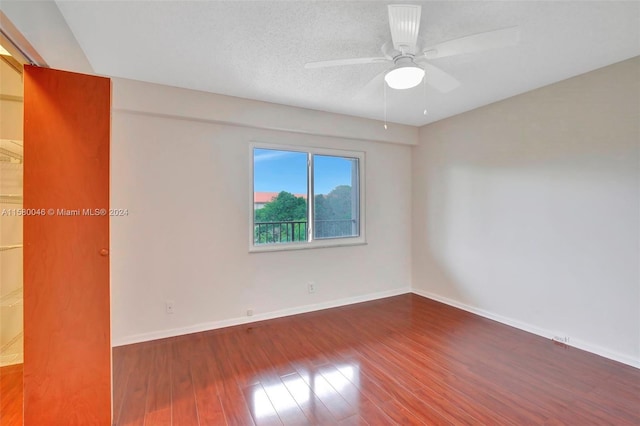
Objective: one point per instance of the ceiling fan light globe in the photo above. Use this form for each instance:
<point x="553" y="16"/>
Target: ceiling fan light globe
<point x="404" y="77"/>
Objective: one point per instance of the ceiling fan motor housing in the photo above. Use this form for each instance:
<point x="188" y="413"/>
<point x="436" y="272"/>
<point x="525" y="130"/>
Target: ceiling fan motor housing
<point x="405" y="74"/>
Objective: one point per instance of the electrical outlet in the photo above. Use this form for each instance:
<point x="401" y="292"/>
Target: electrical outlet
<point x="249" y="312"/>
<point x="311" y="286"/>
<point x="170" y="306"/>
<point x="561" y="339"/>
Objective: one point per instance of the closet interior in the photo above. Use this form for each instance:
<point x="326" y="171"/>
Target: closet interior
<point x="11" y="213"/>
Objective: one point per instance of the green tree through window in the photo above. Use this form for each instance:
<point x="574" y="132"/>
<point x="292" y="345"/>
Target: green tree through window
<point x="334" y="212"/>
<point x="284" y="207"/>
<point x="283" y="219"/>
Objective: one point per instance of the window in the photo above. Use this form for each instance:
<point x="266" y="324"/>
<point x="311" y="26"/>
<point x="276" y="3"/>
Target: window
<point x="306" y="198"/>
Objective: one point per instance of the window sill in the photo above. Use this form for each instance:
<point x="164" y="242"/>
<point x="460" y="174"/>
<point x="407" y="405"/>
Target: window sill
<point x="305" y="246"/>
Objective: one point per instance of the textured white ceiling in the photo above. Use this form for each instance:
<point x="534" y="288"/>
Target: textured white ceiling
<point x="257" y="49"/>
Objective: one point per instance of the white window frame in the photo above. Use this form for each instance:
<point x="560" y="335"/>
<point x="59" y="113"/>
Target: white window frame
<point x="311" y="242"/>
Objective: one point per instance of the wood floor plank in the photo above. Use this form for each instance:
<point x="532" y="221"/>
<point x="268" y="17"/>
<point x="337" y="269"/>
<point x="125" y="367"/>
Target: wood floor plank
<point x="335" y="403"/>
<point x="236" y="411"/>
<point x="265" y="337"/>
<point x="313" y="408"/>
<point x="363" y="382"/>
<point x="238" y="359"/>
<point x="183" y="401"/>
<point x="124" y="358"/>
<point x="354" y="420"/>
<point x="263" y="363"/>
<point x="158" y="403"/>
<point x="284" y="403"/>
<point x="342" y="385"/>
<point x="402" y="415"/>
<point x="372" y="414"/>
<point x="232" y="399"/>
<point x="205" y="386"/>
<point x="260" y="406"/>
<point x="133" y="408"/>
<point x="618" y="397"/>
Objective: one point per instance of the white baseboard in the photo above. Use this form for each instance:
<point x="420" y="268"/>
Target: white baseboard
<point x="161" y="334"/>
<point x="586" y="346"/>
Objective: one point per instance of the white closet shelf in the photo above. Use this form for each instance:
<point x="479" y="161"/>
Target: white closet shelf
<point x="11" y="198"/>
<point x="11" y="150"/>
<point x="11" y="299"/>
<point x="12" y="351"/>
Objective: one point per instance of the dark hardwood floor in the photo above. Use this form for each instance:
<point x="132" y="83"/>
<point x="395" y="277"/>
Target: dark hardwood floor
<point x="401" y="360"/>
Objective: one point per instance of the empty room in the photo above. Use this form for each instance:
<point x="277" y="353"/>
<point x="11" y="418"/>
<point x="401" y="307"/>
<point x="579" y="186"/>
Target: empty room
<point x="319" y="213"/>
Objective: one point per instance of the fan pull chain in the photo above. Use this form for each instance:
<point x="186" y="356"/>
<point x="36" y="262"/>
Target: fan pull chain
<point x="384" y="88"/>
<point x="424" y="91"/>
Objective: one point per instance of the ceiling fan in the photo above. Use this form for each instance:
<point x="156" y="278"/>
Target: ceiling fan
<point x="410" y="58"/>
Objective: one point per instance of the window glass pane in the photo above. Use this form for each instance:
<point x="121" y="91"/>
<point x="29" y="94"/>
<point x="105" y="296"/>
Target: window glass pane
<point x="279" y="196"/>
<point x="336" y="200"/>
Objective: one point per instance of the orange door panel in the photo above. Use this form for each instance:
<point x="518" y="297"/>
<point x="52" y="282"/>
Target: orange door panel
<point x="67" y="337"/>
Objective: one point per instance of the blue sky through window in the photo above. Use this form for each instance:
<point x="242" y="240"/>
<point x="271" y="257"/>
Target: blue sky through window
<point x="275" y="171"/>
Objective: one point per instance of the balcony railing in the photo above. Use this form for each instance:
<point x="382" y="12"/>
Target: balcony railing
<point x="279" y="232"/>
<point x="292" y="231"/>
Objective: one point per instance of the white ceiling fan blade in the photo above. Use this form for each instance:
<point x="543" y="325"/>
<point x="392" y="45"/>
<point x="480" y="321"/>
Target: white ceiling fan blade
<point x="372" y="88"/>
<point x="388" y="50"/>
<point x="474" y="43"/>
<point x="404" y="22"/>
<point x="340" y="62"/>
<point x="438" y="79"/>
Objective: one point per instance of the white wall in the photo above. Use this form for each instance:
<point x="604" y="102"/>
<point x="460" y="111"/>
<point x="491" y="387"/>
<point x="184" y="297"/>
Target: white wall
<point x="527" y="211"/>
<point x="185" y="182"/>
